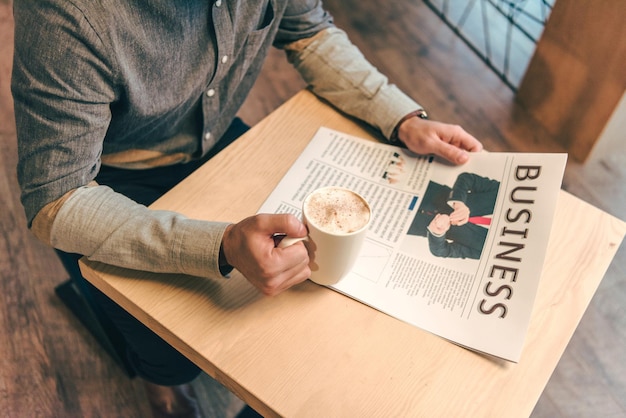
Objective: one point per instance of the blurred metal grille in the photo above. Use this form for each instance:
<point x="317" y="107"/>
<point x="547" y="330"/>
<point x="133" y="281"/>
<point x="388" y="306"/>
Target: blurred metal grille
<point x="503" y="33"/>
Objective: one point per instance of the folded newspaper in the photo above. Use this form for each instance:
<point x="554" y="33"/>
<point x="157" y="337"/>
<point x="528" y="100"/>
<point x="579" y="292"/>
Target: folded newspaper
<point x="472" y="281"/>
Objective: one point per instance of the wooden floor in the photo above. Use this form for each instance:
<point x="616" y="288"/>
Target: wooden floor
<point x="51" y="367"/>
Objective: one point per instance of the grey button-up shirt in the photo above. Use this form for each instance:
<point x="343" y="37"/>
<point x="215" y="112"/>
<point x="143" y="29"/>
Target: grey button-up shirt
<point x="156" y="80"/>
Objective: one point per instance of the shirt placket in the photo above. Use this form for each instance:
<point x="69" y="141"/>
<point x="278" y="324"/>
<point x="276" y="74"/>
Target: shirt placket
<point x="224" y="48"/>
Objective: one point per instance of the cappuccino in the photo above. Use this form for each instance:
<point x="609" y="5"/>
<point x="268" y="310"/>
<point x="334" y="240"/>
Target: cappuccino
<point x="336" y="210"/>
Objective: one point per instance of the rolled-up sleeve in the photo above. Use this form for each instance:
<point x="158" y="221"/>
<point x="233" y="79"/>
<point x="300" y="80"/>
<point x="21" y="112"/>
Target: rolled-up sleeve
<point x="337" y="71"/>
<point x="130" y="235"/>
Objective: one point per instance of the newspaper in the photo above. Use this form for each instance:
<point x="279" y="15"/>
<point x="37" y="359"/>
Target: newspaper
<point x="475" y="283"/>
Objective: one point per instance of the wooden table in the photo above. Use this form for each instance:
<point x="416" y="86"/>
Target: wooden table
<point x="312" y="352"/>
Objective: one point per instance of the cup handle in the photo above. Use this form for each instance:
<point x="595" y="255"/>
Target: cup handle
<point x="288" y="241"/>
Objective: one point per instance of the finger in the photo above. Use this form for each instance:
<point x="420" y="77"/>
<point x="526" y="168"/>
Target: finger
<point x="296" y="274"/>
<point x="460" y="138"/>
<point x="451" y="153"/>
<point x="468" y="142"/>
<point x="460" y="210"/>
<point x="293" y="254"/>
<point x="286" y="279"/>
<point x="455" y="217"/>
<point x="459" y="217"/>
<point x="282" y="223"/>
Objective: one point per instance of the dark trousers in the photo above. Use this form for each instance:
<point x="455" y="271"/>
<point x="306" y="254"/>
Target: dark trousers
<point x="147" y="354"/>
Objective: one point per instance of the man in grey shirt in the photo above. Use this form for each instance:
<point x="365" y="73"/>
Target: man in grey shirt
<point x="108" y="91"/>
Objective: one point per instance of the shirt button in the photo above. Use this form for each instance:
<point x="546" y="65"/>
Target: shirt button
<point x="224" y="59"/>
<point x="207" y="136"/>
<point x="210" y="92"/>
<point x="218" y="3"/>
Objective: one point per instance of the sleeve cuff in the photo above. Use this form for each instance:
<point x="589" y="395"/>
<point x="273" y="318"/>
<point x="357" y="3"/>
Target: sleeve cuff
<point x="199" y="249"/>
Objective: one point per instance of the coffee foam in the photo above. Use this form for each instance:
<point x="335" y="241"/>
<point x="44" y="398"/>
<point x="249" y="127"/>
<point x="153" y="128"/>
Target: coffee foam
<point x="337" y="211"/>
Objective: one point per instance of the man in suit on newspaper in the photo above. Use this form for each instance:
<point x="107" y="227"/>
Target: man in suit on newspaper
<point x="455" y="220"/>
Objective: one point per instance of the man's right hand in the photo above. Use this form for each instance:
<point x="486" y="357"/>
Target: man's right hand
<point x="439" y="225"/>
<point x="249" y="247"/>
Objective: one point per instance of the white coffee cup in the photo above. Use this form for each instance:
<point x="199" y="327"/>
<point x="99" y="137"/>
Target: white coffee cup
<point x="337" y="220"/>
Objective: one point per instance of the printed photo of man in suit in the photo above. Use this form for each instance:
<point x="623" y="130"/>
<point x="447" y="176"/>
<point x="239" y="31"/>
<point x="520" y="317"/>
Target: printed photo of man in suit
<point x="456" y="220"/>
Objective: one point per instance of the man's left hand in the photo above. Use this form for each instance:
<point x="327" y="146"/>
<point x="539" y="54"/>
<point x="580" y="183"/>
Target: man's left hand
<point x="445" y="140"/>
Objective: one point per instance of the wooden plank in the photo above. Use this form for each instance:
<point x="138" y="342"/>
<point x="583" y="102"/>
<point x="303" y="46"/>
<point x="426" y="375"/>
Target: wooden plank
<point x="578" y="72"/>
